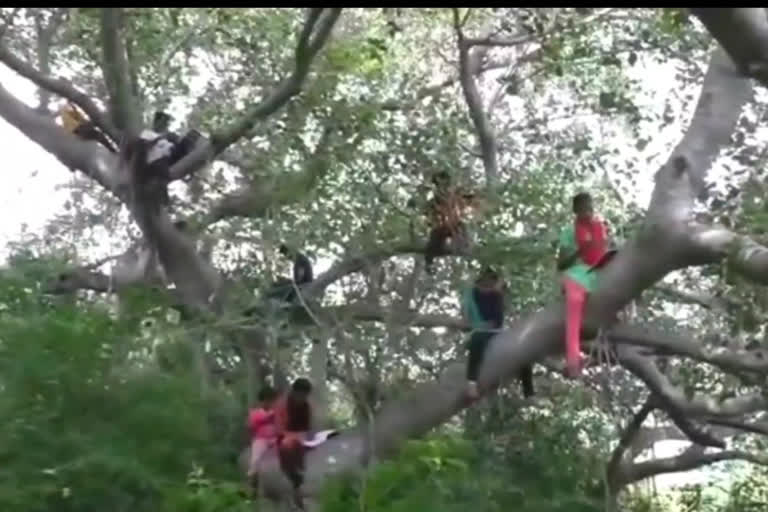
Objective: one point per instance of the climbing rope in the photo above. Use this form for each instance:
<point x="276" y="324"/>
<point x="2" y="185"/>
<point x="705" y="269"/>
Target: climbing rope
<point x="601" y="352"/>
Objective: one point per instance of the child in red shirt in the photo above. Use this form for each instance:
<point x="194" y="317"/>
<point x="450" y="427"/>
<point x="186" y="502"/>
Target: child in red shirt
<point x="583" y="249"/>
<point x="261" y="424"/>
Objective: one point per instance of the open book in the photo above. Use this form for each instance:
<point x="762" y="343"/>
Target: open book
<point x="318" y="438"/>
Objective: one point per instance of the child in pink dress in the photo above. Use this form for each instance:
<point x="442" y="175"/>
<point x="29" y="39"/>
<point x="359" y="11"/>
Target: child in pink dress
<point x="261" y="424"/>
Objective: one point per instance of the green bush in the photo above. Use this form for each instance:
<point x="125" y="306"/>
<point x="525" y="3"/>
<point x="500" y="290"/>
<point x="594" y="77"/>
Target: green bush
<point x="89" y="421"/>
<point x="447" y="473"/>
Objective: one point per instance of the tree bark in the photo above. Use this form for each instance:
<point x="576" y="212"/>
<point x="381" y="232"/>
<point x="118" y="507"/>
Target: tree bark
<point x="123" y="105"/>
<point x="743" y="34"/>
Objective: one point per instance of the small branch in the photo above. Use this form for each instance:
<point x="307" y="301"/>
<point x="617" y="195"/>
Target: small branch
<point x="286" y="188"/>
<point x="304" y="46"/>
<point x="706" y="301"/>
<point x="370" y="312"/>
<point x="498" y="41"/>
<point x="137" y="265"/>
<point x="357" y="263"/>
<point x="78" y="279"/>
<point x="60" y="87"/>
<point x="757" y="427"/>
<point x="44" y="39"/>
<point x="306" y="50"/>
<point x="483" y="128"/>
<point x="8" y="22"/>
<point x="435" y="90"/>
<point x="117" y="75"/>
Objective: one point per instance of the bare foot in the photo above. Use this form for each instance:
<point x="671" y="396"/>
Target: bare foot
<point x="298" y="499"/>
<point x="472" y="392"/>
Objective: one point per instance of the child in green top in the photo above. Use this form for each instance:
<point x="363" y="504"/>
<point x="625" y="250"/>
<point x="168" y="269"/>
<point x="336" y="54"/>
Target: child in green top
<point x="583" y="247"/>
<point x="483" y="306"/>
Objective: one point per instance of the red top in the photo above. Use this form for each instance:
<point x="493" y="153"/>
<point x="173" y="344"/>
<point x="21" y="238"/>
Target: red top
<point x="447" y="208"/>
<point x="261" y="423"/>
<point x="591" y="239"/>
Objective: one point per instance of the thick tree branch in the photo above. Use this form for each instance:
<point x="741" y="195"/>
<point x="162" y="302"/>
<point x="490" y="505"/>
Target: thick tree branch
<point x="117" y="75"/>
<point x="697" y="405"/>
<point x="197" y="281"/>
<point x="670" y="344"/>
<point x="693" y="458"/>
<point x="627" y="437"/>
<point x="743" y="33"/>
<point x="60" y="87"/>
<point x="45" y="33"/>
<point x="741" y="253"/>
<point x="94" y="160"/>
<point x="723" y="96"/>
<point x="483" y="128"/>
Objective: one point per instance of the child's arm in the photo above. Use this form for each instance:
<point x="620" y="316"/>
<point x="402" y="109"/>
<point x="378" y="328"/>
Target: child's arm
<point x="567" y="251"/>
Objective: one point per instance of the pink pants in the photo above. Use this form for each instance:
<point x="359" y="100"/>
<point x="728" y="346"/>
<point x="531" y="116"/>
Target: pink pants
<point x="575" y="297"/>
<point x="259" y="447"/>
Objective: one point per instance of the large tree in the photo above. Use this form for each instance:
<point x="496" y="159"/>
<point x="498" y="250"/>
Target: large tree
<point x="350" y="107"/>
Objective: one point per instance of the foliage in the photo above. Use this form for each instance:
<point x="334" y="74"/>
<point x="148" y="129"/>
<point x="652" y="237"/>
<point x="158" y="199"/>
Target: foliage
<point x="749" y="494"/>
<point x="542" y="463"/>
<point x="91" y="424"/>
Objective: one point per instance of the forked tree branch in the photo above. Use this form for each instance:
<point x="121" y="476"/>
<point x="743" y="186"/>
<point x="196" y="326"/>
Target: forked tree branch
<point x="315" y="33"/>
<point x="627" y="437"/>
